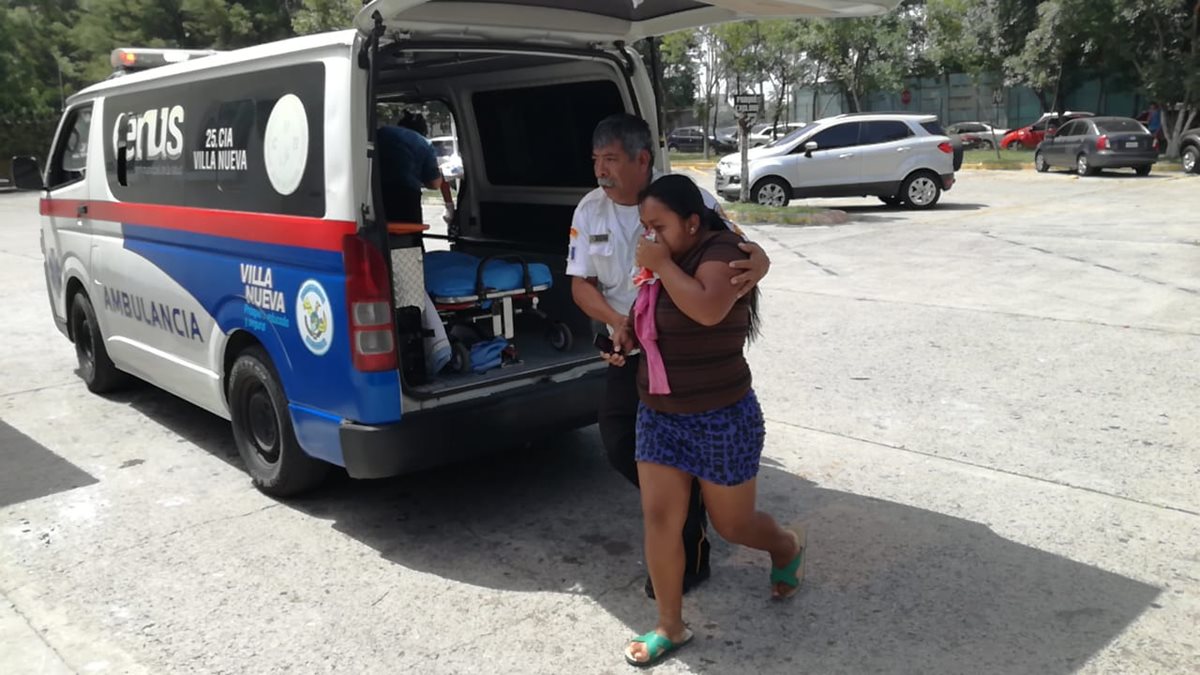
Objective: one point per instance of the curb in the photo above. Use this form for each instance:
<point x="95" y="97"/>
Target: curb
<point x="826" y="217"/>
<point x="992" y="167"/>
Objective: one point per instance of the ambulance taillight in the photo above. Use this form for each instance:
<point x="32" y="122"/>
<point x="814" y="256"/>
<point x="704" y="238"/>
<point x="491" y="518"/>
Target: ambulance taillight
<point x="368" y="297"/>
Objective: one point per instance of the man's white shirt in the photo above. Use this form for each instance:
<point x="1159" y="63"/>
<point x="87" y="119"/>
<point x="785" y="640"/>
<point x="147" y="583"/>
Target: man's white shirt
<point x="603" y="242"/>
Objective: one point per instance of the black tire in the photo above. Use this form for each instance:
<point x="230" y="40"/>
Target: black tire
<point x="921" y="190"/>
<point x="560" y="337"/>
<point x="460" y="357"/>
<point x="1040" y="163"/>
<point x="672" y="148"/>
<point x="1083" y="167"/>
<point x="1143" y="170"/>
<point x="95" y="366"/>
<point x="1191" y="159"/>
<point x="262" y="429"/>
<point x="771" y="192"/>
<point x="892" y="201"/>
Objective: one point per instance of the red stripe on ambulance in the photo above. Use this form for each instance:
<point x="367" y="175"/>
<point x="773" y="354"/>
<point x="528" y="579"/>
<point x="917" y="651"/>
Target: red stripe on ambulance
<point x="265" y="228"/>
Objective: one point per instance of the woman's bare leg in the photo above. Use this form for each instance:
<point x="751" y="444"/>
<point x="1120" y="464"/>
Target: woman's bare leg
<point x="731" y="511"/>
<point x="665" y="493"/>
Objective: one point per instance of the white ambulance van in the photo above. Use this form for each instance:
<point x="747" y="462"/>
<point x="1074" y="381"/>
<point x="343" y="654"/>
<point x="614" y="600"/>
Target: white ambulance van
<point x="213" y="227"/>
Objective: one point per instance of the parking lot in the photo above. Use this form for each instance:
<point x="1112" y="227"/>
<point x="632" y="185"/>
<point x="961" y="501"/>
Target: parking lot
<point x="985" y="414"/>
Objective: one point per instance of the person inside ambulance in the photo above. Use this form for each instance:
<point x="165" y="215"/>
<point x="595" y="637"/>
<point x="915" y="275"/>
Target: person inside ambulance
<point x="408" y="163"/>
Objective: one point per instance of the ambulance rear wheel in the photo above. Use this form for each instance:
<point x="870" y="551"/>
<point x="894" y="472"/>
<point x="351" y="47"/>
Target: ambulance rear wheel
<point x="95" y="367"/>
<point x="262" y="429"/>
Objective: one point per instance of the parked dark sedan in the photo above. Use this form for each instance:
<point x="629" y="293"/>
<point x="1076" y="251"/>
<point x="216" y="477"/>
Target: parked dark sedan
<point x="691" y="139"/>
<point x="1094" y="143"/>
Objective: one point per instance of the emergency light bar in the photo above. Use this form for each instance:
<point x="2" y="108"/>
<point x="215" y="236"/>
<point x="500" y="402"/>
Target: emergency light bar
<point x="130" y="59"/>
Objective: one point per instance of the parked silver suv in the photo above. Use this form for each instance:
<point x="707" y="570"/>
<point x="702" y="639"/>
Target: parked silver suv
<point x="903" y="159"/>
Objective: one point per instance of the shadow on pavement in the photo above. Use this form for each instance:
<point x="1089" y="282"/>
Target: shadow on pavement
<point x="890" y="588"/>
<point x="31" y="471"/>
<point x="1113" y="174"/>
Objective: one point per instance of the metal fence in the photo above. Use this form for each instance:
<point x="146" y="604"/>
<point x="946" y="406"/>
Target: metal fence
<point x="25" y="137"/>
<point x="959" y="98"/>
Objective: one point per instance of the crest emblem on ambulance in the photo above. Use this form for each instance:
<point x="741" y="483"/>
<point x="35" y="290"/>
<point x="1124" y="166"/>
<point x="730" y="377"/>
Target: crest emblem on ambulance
<point x="313" y="317"/>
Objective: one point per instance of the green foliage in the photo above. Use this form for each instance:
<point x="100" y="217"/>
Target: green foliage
<point x="869" y="54"/>
<point x="679" y="70"/>
<point x="316" y="16"/>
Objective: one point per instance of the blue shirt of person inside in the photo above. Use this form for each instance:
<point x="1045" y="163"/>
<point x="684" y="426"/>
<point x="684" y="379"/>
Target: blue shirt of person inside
<point x="406" y="158"/>
<point x="1155" y="121"/>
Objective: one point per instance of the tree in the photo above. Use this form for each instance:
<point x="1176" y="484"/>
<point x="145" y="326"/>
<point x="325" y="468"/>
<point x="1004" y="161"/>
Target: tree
<point x="316" y="16"/>
<point x="1073" y="39"/>
<point x="868" y="54"/>
<point x="707" y="52"/>
<point x="1164" y="47"/>
<point x="770" y="52"/>
<point x="950" y="38"/>
<point x="37" y="73"/>
<point x="679" y="70"/>
<point x="193" y="24"/>
<point x="782" y="62"/>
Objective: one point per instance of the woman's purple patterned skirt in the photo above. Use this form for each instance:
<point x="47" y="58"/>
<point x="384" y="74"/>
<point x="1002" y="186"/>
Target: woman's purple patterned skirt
<point x="720" y="446"/>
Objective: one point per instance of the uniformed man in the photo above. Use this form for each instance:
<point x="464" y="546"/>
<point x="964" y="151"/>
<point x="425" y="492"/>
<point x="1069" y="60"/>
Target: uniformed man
<point x="600" y="260"/>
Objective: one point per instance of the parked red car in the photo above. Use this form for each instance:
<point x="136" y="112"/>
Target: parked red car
<point x="1030" y="136"/>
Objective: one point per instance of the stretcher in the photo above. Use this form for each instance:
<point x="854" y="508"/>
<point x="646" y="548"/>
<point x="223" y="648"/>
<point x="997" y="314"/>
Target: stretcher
<point x="468" y="291"/>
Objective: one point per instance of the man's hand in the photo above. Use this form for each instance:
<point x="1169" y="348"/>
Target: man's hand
<point x="448" y="213"/>
<point x="756" y="267"/>
<point x="623" y="343"/>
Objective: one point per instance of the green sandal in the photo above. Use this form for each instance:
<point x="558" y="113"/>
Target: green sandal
<point x="657" y="646"/>
<point x="793" y="574"/>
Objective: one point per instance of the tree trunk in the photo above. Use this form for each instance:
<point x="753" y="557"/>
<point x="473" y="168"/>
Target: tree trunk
<point x="1183" y="122"/>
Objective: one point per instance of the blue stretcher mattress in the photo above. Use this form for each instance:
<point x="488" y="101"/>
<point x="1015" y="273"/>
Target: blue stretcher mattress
<point x="450" y="274"/>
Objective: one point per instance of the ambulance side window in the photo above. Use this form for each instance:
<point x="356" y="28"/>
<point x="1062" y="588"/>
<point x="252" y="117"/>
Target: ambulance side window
<point x="71" y="148"/>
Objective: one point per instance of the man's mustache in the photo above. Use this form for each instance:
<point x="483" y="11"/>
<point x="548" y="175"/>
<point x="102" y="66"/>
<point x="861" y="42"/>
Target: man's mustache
<point x="606" y="182"/>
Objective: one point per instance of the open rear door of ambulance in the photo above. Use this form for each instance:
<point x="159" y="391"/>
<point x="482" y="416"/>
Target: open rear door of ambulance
<point x="578" y="22"/>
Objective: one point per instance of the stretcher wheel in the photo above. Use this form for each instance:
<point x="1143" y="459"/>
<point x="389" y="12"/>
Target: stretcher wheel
<point x="560" y="337"/>
<point x="460" y="358"/>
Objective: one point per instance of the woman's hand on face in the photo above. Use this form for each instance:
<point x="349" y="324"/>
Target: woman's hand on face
<point x="652" y="254"/>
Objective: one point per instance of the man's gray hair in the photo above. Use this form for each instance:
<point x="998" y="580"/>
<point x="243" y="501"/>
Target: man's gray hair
<point x="631" y="131"/>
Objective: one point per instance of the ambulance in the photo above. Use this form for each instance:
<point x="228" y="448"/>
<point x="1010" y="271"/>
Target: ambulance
<point x="211" y="225"/>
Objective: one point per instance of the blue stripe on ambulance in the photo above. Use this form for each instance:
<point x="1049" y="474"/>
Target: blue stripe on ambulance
<point x="323" y="389"/>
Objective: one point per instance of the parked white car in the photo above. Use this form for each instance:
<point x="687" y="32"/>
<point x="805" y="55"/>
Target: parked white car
<point x="449" y="160"/>
<point x="764" y="134"/>
<point x="902" y="159"/>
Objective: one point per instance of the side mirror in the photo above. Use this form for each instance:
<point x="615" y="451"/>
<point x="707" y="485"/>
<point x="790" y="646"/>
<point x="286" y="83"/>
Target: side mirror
<point x="26" y="175"/>
<point x="809" y="147"/>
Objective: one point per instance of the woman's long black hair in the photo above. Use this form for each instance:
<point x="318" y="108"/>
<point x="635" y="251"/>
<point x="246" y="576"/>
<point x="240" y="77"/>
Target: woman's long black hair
<point x="680" y="194"/>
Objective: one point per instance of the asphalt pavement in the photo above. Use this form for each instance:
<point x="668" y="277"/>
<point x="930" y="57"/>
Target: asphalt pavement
<point x="985" y="415"/>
